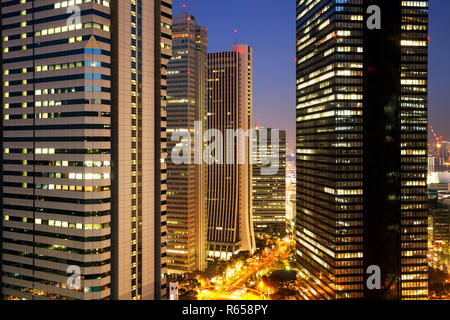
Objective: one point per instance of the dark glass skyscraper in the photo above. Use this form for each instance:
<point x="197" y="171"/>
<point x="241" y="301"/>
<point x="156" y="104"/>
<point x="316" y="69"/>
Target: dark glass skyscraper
<point x="361" y="148"/>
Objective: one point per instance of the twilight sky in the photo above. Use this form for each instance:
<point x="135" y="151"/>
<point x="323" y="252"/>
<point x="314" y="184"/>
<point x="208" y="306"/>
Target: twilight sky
<point x="269" y="27"/>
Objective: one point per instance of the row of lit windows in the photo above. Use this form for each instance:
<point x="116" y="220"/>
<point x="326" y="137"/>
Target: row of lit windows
<point x="66" y="90"/>
<point x="51" y="115"/>
<point x="58" y="103"/>
<point x="343" y="191"/>
<point x="415" y="284"/>
<point x="68" y="3"/>
<point x="316" y="73"/>
<point x="348" y="271"/>
<point x="407" y="293"/>
<point x="71" y="65"/>
<point x="349" y="49"/>
<point x="72" y="27"/>
<point x="68" y="188"/>
<point x="91" y="76"/>
<point x="64" y="224"/>
<point x="413" y="152"/>
<point x="72" y="176"/>
<point x="310" y="236"/>
<point x="60" y="151"/>
<point x="413" y="43"/>
<point x="349" y="287"/>
<point x="308" y="8"/>
<point x="86" y="164"/>
<point x="414" y="27"/>
<point x="413" y="253"/>
<point x="69" y="40"/>
<point x="423" y="4"/>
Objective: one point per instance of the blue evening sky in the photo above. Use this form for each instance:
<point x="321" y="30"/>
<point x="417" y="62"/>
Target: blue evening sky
<point x="269" y="27"/>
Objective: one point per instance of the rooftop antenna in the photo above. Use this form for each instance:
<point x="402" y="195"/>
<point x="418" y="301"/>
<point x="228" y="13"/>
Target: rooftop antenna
<point x="257" y="122"/>
<point x="235" y="36"/>
<point x="188" y="17"/>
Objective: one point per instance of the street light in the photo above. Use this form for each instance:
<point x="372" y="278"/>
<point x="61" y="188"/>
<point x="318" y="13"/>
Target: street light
<point x="262" y="290"/>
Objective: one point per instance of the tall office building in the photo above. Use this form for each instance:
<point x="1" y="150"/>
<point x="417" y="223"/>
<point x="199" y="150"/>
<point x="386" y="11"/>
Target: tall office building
<point x="83" y="148"/>
<point x="362" y="147"/>
<point x="186" y="105"/>
<point x="229" y="186"/>
<point x="269" y="190"/>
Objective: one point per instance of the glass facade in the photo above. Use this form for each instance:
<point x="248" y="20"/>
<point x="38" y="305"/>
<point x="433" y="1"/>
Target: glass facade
<point x="186" y="89"/>
<point x="83" y="148"/>
<point x="56" y="150"/>
<point x="269" y="191"/>
<point x="414" y="125"/>
<point x="361" y="148"/>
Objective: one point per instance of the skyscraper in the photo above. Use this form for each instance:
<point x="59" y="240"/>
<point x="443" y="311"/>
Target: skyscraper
<point x="83" y="144"/>
<point x="229" y="185"/>
<point x="361" y="147"/>
<point x="186" y="197"/>
<point x="269" y="190"/>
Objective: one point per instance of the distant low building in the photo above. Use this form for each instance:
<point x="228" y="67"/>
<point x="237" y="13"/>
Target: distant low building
<point x="432" y="161"/>
<point x="439" y="223"/>
<point x="440" y="182"/>
<point x="269" y="191"/>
